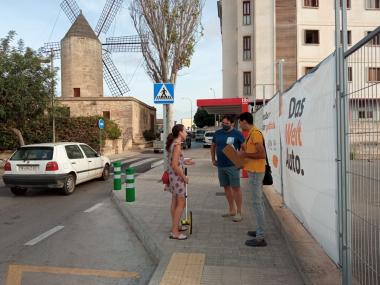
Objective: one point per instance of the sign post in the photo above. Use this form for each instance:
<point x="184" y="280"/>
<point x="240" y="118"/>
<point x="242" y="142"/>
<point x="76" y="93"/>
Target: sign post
<point x="101" y="125"/>
<point x="163" y="93"/>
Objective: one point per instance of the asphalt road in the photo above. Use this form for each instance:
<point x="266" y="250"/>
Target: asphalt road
<point x="85" y="234"/>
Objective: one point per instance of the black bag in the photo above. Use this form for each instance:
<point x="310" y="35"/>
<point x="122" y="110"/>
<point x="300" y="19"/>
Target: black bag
<point x="268" y="179"/>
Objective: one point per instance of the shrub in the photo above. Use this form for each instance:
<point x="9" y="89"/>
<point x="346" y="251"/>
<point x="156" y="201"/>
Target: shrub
<point x="149" y="135"/>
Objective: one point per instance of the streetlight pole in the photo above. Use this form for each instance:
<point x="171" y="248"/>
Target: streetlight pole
<point x="191" y="112"/>
<point x="213" y="90"/>
<point x="52" y="92"/>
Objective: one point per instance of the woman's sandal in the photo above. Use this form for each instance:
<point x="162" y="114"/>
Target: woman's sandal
<point x="179" y="237"/>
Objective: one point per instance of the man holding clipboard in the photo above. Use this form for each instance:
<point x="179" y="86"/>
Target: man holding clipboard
<point x="253" y="153"/>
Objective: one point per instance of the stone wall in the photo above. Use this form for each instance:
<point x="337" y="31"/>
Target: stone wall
<point x="132" y="115"/>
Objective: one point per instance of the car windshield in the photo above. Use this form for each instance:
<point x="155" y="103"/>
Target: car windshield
<point x="33" y="153"/>
<point x="209" y="134"/>
<point x="200" y="132"/>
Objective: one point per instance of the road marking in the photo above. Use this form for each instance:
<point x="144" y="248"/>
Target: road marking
<point x="44" y="235"/>
<point x="157" y="163"/>
<point x="129" y="160"/>
<point x="15" y="272"/>
<point x="142" y="162"/>
<point x="93" y="208"/>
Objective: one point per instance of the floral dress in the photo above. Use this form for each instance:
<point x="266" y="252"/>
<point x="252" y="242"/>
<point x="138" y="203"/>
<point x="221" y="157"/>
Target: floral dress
<point x="176" y="185"/>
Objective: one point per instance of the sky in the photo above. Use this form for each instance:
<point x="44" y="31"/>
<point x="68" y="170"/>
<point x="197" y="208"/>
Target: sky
<point x="41" y="21"/>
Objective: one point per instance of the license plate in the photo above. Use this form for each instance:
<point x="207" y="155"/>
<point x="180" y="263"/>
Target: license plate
<point x="28" y="167"/>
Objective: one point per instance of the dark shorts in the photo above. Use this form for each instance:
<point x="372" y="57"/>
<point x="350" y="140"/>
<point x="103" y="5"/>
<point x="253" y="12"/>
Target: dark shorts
<point x="229" y="176"/>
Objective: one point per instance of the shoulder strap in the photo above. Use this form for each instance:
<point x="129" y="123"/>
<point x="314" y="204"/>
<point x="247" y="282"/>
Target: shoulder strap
<point x="266" y="155"/>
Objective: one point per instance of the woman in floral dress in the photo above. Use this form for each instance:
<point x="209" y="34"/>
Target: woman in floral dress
<point x="177" y="178"/>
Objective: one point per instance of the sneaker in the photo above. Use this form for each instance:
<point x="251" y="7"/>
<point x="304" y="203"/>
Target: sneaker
<point x="226" y="215"/>
<point x="251" y="233"/>
<point x="256" y="243"/>
<point x="237" y="217"/>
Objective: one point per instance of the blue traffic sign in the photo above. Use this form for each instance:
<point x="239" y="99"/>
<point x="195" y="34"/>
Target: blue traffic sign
<point x="163" y="93"/>
<point x="101" y="124"/>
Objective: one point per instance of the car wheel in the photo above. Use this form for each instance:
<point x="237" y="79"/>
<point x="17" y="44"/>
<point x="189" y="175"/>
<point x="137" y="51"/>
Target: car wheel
<point x="106" y="172"/>
<point x="156" y="151"/>
<point x="18" y="191"/>
<point x="69" y="185"/>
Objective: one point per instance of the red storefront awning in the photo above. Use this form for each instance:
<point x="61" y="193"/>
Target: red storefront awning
<point x="226" y="106"/>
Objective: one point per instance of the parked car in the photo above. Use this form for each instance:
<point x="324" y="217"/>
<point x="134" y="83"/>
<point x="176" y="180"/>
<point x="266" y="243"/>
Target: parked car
<point x="199" y="135"/>
<point x="187" y="143"/>
<point x="207" y="140"/>
<point x="54" y="165"/>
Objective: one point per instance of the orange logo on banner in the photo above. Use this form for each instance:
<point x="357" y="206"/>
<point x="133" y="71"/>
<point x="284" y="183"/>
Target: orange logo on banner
<point x="275" y="161"/>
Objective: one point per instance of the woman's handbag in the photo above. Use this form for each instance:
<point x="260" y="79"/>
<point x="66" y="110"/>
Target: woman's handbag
<point x="165" y="178"/>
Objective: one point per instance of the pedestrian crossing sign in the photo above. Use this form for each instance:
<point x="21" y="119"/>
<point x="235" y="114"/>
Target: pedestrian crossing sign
<point x="163" y="93"/>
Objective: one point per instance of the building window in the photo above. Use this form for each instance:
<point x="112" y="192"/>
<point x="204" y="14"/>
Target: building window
<point x="246" y="83"/>
<point x="247" y="48"/>
<point x="349" y="74"/>
<point x="310" y="3"/>
<point x="375" y="41"/>
<point x="348" y="4"/>
<point x="349" y="38"/>
<point x="308" y="69"/>
<point x="374" y="74"/>
<point x="107" y="115"/>
<point x="246" y="12"/>
<point x="311" y="36"/>
<point x="76" y="92"/>
<point x="372" y="4"/>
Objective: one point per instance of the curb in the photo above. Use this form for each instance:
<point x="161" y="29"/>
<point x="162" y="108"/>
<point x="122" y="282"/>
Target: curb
<point x="311" y="261"/>
<point x="140" y="228"/>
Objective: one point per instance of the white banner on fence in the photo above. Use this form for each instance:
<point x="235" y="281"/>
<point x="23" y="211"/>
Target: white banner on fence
<point x="272" y="139"/>
<point x="308" y="133"/>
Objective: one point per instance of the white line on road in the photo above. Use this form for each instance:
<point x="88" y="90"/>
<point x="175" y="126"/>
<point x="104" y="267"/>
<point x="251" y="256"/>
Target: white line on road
<point x="93" y="208"/>
<point x="142" y="162"/>
<point x="157" y="163"/>
<point x="44" y="235"/>
<point x="128" y="160"/>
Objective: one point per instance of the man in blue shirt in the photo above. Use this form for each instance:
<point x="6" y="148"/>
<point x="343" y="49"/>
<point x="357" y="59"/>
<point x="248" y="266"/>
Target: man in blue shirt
<point x="229" y="175"/>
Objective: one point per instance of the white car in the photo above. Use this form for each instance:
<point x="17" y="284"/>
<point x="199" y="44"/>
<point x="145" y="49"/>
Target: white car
<point x="207" y="140"/>
<point x="54" y="165"/>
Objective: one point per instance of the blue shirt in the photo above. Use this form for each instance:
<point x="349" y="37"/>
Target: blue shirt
<point x="221" y="139"/>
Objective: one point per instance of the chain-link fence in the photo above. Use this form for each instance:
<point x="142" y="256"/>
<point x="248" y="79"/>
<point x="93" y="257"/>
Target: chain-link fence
<point x="363" y="162"/>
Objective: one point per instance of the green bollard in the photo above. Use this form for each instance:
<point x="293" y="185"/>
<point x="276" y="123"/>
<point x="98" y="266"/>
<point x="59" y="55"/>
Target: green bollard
<point x="130" y="185"/>
<point x="117" y="175"/>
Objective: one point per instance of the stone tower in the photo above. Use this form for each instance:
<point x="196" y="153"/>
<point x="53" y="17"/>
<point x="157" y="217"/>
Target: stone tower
<point x="81" y="61"/>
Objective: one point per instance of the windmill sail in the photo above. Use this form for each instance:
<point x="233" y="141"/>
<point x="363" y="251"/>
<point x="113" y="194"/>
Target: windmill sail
<point x="71" y="9"/>
<point x="126" y="44"/>
<point x="108" y="15"/>
<point x="113" y="78"/>
<point x="52" y="48"/>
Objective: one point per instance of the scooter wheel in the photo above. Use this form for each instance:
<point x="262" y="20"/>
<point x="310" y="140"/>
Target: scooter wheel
<point x="191" y="222"/>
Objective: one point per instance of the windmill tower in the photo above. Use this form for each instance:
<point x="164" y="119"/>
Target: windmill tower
<point x="83" y="54"/>
<point x="81" y="61"/>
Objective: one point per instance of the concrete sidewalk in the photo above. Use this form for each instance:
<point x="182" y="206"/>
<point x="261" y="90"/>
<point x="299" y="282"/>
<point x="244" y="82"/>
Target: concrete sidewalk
<point x="215" y="251"/>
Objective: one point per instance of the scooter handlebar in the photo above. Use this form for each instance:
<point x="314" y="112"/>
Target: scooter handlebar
<point x="185" y="171"/>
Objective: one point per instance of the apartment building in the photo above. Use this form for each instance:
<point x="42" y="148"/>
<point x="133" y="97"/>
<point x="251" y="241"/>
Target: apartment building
<point x="256" y="34"/>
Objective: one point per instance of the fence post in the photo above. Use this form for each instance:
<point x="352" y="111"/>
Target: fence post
<point x="130" y="185"/>
<point x="117" y="175"/>
<point x="280" y="99"/>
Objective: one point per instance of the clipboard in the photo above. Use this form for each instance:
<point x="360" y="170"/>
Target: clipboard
<point x="232" y="155"/>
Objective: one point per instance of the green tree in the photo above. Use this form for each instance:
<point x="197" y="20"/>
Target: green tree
<point x="202" y="118"/>
<point x="25" y="85"/>
<point x="173" y="28"/>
